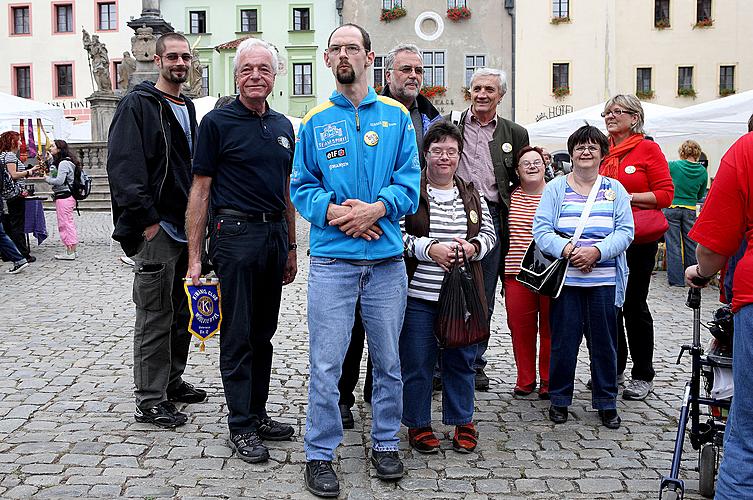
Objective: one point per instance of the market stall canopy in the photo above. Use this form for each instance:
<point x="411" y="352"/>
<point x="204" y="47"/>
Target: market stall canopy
<point x="13" y="108"/>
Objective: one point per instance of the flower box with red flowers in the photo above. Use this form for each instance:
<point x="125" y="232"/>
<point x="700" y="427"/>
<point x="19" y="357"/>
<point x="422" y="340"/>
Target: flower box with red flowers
<point x="431" y="91"/>
<point x="706" y="22"/>
<point x="392" y="14"/>
<point x="458" y="13"/>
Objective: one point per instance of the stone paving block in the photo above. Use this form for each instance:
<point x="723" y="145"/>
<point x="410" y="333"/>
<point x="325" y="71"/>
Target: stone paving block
<point x="599" y="485"/>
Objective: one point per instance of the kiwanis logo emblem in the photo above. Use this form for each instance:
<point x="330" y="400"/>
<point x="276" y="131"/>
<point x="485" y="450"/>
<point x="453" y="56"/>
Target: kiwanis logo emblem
<point x="205" y="309"/>
<point x="205" y="306"/>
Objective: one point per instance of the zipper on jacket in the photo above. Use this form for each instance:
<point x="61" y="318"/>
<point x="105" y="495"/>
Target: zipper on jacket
<point x="358" y="122"/>
<point x="167" y="154"/>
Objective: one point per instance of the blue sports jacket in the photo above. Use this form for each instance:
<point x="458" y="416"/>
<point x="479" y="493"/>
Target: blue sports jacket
<point x="367" y="153"/>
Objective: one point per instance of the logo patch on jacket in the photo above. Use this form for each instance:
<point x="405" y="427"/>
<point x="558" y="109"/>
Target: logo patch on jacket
<point x="336" y="153"/>
<point x="284" y="142"/>
<point x="331" y="135"/>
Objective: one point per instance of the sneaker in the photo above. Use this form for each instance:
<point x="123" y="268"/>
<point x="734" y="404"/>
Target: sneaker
<point x="388" y="464"/>
<point x="465" y="439"/>
<point x="637" y="390"/>
<point x="320" y="478"/>
<point x="164" y="415"/>
<point x="423" y="440"/>
<point x="127" y="261"/>
<point x="610" y="419"/>
<point x="66" y="256"/>
<point x="248" y="447"/>
<point x="18" y="267"/>
<point x="482" y="381"/>
<point x="346" y="416"/>
<point x="271" y="430"/>
<point x="187" y="393"/>
<point x="31" y="259"/>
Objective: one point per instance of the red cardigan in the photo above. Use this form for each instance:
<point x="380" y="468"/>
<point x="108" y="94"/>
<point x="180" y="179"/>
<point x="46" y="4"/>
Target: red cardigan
<point x="651" y="172"/>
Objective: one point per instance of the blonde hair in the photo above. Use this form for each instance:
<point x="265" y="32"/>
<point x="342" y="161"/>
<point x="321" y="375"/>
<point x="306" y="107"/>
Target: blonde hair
<point x="690" y="149"/>
<point x="632" y="104"/>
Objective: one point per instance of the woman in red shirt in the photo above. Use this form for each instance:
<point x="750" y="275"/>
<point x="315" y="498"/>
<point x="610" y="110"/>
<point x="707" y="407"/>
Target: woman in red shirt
<point x="639" y="164"/>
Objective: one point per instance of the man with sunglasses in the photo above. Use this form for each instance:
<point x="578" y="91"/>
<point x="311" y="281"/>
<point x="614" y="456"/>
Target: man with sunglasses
<point x="405" y="76"/>
<point x="355" y="174"/>
<point x="149" y="153"/>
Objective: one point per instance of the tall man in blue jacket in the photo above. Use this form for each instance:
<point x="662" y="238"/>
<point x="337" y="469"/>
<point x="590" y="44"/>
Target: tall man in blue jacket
<point x="355" y="174"/>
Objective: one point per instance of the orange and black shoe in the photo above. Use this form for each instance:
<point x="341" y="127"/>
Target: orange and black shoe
<point x="423" y="440"/>
<point x="465" y="439"/>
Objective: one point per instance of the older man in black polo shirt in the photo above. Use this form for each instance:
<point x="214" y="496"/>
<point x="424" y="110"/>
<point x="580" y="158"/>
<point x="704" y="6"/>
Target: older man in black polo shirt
<point x="244" y="153"/>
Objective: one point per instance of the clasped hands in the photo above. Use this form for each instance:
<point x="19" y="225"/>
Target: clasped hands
<point x="357" y="218"/>
<point x="444" y="253"/>
<point x="583" y="258"/>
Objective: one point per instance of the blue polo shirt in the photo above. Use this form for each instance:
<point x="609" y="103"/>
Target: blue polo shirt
<point x="248" y="156"/>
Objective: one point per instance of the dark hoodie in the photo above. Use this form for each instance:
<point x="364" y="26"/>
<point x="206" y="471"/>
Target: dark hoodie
<point x="428" y="115"/>
<point x="148" y="164"/>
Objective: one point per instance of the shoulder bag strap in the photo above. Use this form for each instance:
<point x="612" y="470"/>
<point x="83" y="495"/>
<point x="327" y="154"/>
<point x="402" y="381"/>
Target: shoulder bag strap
<point x="586" y="210"/>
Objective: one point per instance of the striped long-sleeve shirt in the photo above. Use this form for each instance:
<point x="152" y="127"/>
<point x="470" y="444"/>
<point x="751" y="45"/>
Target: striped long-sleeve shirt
<point x="448" y="221"/>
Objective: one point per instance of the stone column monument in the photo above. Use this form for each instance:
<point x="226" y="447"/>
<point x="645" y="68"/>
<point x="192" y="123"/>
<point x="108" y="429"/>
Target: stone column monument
<point x="148" y="28"/>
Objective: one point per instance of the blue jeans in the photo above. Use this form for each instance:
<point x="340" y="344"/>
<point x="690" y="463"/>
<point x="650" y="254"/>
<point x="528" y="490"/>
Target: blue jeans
<point x="580" y="311"/>
<point x="490" y="267"/>
<point x="8" y="249"/>
<point x="680" y="248"/>
<point x="736" y="472"/>
<point x="418" y="354"/>
<point x="334" y="287"/>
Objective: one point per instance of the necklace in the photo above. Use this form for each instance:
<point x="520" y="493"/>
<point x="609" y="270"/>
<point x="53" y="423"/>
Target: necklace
<point x="443" y="205"/>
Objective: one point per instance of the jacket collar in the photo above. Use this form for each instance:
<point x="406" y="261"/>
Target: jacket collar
<point x="340" y="100"/>
<point x="424" y="105"/>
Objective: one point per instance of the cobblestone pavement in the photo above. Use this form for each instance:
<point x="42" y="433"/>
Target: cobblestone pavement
<point x="67" y="428"/>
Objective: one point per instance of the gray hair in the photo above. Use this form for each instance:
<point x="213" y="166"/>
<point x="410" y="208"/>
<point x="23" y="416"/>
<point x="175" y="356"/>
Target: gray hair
<point x="249" y="44"/>
<point x="632" y="104"/>
<point x="501" y="75"/>
<point x="403" y="47"/>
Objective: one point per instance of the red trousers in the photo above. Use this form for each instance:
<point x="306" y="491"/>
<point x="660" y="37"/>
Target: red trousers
<point x="527" y="316"/>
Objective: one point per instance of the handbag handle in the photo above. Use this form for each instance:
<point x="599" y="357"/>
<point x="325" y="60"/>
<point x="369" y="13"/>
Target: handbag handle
<point x="586" y="211"/>
<point x="457" y="256"/>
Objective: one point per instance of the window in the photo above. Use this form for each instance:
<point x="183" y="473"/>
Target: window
<point x="302" y="79"/>
<point x="205" y="80"/>
<point x="379" y="79"/>
<point x="452" y="4"/>
<point x="560" y="77"/>
<point x="64" y="80"/>
<point x="560" y="8"/>
<point x="726" y="80"/>
<point x="643" y="81"/>
<point x="472" y="63"/>
<point x="116" y="74"/>
<point x="249" y="21"/>
<point x="703" y="11"/>
<point x="685" y="78"/>
<point x="21" y="20"/>
<point x="198" y="19"/>
<point x="301" y="19"/>
<point x="22" y="76"/>
<point x="661" y="13"/>
<point x="433" y="68"/>
<point x="107" y="16"/>
<point x="64" y="18"/>
<point x="391" y="4"/>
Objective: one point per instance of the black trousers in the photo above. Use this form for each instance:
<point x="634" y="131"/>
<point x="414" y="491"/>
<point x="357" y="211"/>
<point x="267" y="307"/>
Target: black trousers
<point x="352" y="365"/>
<point x="638" y="323"/>
<point x="249" y="258"/>
<point x="14" y="223"/>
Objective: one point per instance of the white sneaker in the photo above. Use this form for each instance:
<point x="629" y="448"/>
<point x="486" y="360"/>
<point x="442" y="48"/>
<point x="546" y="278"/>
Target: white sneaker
<point x="17" y="267"/>
<point x="66" y="256"/>
<point x="127" y="261"/>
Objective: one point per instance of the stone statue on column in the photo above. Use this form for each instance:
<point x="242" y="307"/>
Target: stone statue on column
<point x="192" y="88"/>
<point x="99" y="62"/>
<point x="125" y="70"/>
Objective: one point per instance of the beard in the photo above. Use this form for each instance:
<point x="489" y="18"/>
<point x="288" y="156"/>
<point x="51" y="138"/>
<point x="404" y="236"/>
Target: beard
<point x="407" y="93"/>
<point x="170" y="76"/>
<point x="346" y="76"/>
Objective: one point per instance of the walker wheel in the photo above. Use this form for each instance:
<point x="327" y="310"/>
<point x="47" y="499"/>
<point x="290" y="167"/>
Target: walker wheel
<point x="707" y="470"/>
<point x="670" y="495"/>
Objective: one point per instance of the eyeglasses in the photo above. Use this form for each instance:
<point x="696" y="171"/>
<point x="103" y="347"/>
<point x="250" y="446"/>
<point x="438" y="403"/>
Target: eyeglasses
<point x="172" y="57"/>
<point x="617" y="113"/>
<point x="249" y="70"/>
<point x="351" y="50"/>
<point x="535" y="163"/>
<point x="407" y="70"/>
<point x="583" y="149"/>
<point x="437" y="153"/>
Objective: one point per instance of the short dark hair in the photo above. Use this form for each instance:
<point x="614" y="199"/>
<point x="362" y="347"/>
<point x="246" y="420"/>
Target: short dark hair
<point x="588" y="133"/>
<point x="169" y="36"/>
<point x="528" y="149"/>
<point x="364" y="35"/>
<point x="440" y="131"/>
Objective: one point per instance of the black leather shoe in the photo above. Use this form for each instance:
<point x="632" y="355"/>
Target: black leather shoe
<point x="248" y="447"/>
<point x="346" y="416"/>
<point x="388" y="464"/>
<point x="187" y="393"/>
<point x="271" y="430"/>
<point x="164" y="415"/>
<point x="482" y="381"/>
<point x="610" y="419"/>
<point x="320" y="478"/>
<point x="558" y="414"/>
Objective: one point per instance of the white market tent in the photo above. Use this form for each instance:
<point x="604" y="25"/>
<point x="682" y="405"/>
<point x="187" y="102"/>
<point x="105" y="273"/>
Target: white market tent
<point x="13" y="108"/>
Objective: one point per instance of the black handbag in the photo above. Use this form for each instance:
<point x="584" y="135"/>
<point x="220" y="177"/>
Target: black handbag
<point x="545" y="274"/>
<point x="461" y="319"/>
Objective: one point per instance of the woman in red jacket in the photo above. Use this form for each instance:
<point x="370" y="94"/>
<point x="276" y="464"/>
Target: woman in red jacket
<point x="639" y="164"/>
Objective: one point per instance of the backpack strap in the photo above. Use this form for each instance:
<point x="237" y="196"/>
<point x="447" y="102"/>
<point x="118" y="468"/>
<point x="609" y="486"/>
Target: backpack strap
<point x="455" y="117"/>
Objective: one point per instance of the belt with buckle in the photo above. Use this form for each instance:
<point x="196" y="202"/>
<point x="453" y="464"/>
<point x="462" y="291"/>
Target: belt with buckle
<point x="254" y="217"/>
